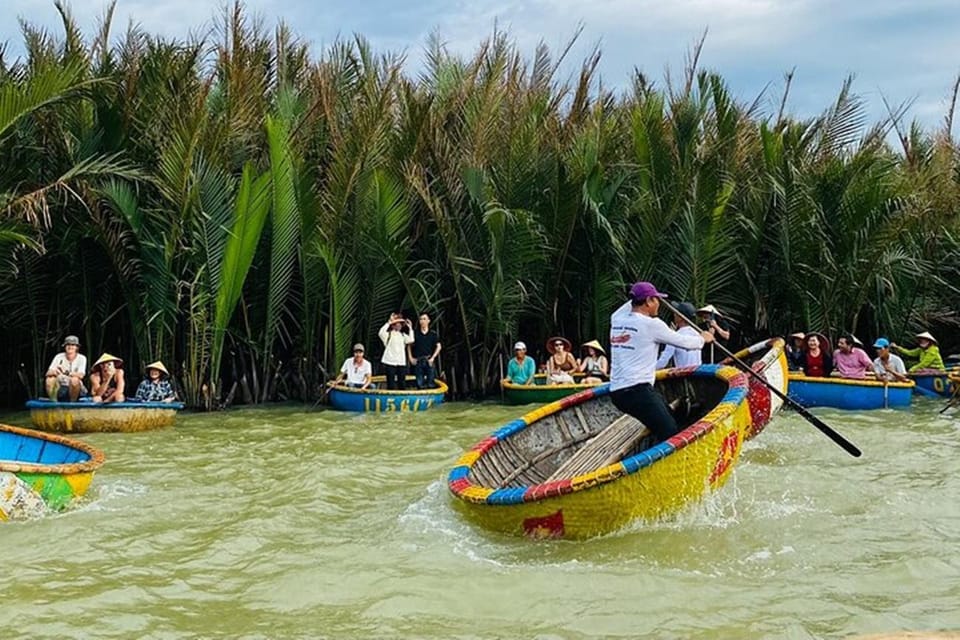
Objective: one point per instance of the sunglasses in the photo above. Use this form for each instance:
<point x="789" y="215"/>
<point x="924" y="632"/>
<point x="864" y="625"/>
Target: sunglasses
<point x="558" y="344"/>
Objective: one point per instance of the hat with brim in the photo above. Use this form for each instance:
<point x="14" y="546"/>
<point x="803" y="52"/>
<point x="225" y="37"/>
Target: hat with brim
<point x="593" y="344"/>
<point x="881" y="343"/>
<point x="358" y="347"/>
<point x="105" y="358"/>
<point x="709" y="309"/>
<point x="926" y="336"/>
<point x="74" y="340"/>
<point x="159" y="367"/>
<point x="566" y="343"/>
<point x="800" y="335"/>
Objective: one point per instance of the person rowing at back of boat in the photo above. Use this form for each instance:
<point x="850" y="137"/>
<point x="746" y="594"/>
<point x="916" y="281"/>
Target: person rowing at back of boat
<point x="927" y="351"/>
<point x="682" y="357"/>
<point x="888" y="366"/>
<point x="636" y="334"/>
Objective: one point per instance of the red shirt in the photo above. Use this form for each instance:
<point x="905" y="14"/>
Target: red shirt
<point x="815" y="365"/>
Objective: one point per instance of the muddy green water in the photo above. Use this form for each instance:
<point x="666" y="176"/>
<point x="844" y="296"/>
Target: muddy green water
<point x="291" y="523"/>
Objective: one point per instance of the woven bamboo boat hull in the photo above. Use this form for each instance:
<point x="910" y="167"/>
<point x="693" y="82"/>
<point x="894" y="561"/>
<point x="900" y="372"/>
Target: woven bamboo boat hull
<point x="382" y="400"/>
<point x="539" y="392"/>
<point x="87" y="417"/>
<point x="849" y="394"/>
<point x="503" y="483"/>
<point x="768" y="360"/>
<point x="934" y="383"/>
<point x="40" y="472"/>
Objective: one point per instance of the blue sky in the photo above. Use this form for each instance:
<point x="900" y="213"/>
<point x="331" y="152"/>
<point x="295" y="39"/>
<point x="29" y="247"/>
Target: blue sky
<point x="905" y="50"/>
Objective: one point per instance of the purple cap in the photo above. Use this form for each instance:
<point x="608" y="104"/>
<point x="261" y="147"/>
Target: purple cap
<point x="641" y="290"/>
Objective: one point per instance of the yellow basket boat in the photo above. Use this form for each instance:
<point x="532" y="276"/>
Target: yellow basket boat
<point x="515" y="481"/>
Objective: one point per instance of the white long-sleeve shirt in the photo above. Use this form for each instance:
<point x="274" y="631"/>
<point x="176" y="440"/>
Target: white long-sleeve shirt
<point x="681" y="357"/>
<point x="394" y="345"/>
<point x="634" y="341"/>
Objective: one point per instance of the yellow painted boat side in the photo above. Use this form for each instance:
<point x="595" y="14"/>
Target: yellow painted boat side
<point x="74" y="419"/>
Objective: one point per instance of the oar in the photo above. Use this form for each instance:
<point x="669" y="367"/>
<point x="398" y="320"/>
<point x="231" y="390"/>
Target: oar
<point x="953" y="400"/>
<point x="886" y="392"/>
<point x="826" y="429"/>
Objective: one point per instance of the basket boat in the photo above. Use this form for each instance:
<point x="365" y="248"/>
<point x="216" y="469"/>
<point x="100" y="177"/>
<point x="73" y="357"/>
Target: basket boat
<point x="384" y="400"/>
<point x="768" y="359"/>
<point x="42" y="471"/>
<point x="930" y="383"/>
<point x="540" y="392"/>
<point x="578" y="467"/>
<point x="848" y="393"/>
<point x="89" y="417"/>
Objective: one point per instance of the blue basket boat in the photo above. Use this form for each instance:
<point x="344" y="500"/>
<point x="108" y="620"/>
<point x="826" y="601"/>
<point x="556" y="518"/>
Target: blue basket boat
<point x="934" y="383"/>
<point x="384" y="400"/>
<point x="42" y="472"/>
<point x="848" y="393"/>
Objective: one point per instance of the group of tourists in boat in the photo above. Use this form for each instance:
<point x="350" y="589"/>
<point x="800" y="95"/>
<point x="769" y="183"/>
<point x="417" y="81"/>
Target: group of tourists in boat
<point x="810" y="353"/>
<point x="107" y="381"/>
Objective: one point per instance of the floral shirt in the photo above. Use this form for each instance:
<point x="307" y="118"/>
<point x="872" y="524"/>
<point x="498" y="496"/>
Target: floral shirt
<point x="150" y="391"/>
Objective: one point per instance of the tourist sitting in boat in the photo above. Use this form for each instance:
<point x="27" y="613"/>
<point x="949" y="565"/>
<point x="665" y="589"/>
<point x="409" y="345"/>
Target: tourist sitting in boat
<point x="156" y="387"/>
<point x="636" y="334"/>
<point x="794" y="349"/>
<point x="815" y="361"/>
<point x="423" y="352"/>
<point x="888" y="366"/>
<point x="594" y="365"/>
<point x="850" y="361"/>
<point x="521" y="369"/>
<point x="396" y="333"/>
<point x="927" y="350"/>
<point x="106" y="379"/>
<point x="64" y="380"/>
<point x="561" y="364"/>
<point x="356" y="370"/>
<point x="682" y="357"/>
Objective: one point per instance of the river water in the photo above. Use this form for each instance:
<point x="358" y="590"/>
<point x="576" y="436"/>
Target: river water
<point x="295" y="523"/>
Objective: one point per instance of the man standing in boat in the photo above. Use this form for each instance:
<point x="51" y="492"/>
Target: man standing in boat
<point x="636" y="334"/>
<point x="423" y="353"/>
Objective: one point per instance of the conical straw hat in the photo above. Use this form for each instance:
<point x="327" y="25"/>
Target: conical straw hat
<point x="106" y="357"/>
<point x="926" y="334"/>
<point x="159" y="367"/>
<point x="594" y="344"/>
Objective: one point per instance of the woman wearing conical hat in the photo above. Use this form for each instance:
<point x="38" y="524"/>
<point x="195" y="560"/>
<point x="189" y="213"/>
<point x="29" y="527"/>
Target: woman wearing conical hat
<point x="927" y="351"/>
<point x="156" y="387"/>
<point x="594" y="365"/>
<point x="106" y="379"/>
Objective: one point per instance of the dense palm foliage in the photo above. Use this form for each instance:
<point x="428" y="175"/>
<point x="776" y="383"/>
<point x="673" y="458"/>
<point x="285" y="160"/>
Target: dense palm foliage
<point x="244" y="211"/>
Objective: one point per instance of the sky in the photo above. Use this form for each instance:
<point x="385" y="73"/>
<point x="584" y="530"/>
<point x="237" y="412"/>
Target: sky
<point x="901" y="51"/>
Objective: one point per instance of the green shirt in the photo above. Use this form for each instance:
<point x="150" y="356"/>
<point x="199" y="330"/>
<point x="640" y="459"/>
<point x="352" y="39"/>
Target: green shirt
<point x="929" y="357"/>
<point x="521" y="373"/>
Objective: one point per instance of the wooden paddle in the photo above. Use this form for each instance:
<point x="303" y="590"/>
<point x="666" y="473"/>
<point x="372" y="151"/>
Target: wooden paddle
<point x="824" y="428"/>
<point x="952" y="401"/>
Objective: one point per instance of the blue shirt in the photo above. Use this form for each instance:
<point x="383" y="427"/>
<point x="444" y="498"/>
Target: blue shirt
<point x="521" y="373"/>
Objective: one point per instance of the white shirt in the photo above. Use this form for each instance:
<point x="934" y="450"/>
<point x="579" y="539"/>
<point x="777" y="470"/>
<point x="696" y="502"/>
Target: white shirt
<point x="634" y="341"/>
<point x="357" y="373"/>
<point x="394" y="345"/>
<point x="896" y="363"/>
<point x="681" y="357"/>
<point x="64" y="367"/>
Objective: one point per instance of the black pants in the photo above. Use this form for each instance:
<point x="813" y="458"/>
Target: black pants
<point x="647" y="406"/>
<point x="396" y="376"/>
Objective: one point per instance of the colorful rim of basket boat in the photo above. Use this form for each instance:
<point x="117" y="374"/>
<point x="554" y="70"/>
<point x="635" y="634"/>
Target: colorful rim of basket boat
<point x="935" y="382"/>
<point x="90" y="417"/>
<point x="769" y="360"/>
<point x="540" y="392"/>
<point x="555" y="472"/>
<point x="386" y="400"/>
<point x="42" y="472"/>
<point x="849" y="393"/>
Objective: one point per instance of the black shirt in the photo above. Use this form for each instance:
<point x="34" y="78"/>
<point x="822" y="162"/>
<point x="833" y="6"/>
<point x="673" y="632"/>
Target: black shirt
<point x="424" y="343"/>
